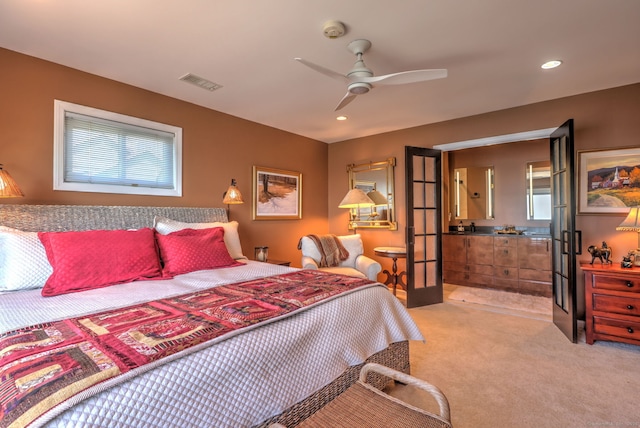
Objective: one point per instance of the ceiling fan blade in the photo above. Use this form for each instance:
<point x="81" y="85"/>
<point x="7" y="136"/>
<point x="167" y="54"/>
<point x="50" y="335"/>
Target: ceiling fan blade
<point x="345" y="100"/>
<point x="325" y="71"/>
<point x="406" y="77"/>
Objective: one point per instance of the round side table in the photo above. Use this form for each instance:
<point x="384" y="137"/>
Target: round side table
<point x="393" y="278"/>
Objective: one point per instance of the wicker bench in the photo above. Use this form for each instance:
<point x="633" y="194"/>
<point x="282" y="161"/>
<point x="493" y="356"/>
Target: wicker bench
<point x="363" y="405"/>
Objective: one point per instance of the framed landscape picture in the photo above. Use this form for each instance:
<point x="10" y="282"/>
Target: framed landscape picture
<point x="277" y="194"/>
<point x="609" y="180"/>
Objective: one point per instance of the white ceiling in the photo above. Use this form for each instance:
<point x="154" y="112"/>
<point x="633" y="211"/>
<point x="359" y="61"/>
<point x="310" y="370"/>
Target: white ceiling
<point x="492" y="49"/>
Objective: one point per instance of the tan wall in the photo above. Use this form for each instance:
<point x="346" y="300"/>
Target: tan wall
<point x="216" y="148"/>
<point x="602" y="119"/>
<point x="509" y="162"/>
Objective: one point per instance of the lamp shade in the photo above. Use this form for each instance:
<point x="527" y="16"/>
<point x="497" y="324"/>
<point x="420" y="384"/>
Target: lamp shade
<point x="232" y="195"/>
<point x="377" y="198"/>
<point x="631" y="223"/>
<point x="356" y="198"/>
<point x="8" y="187"/>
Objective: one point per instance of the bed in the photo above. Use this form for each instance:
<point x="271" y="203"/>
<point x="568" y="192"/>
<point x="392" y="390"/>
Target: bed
<point x="280" y="370"/>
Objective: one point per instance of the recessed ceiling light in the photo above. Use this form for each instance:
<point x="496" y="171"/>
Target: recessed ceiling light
<point x="551" y="64"/>
<point x="341" y="118"/>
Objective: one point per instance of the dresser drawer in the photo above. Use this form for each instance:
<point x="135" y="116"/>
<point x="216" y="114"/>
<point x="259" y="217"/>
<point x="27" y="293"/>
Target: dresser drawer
<point x="504" y="272"/>
<point x="618" y="328"/>
<point x="618" y="283"/>
<point x="505" y="256"/>
<point x="617" y="305"/>
<point x="504" y="241"/>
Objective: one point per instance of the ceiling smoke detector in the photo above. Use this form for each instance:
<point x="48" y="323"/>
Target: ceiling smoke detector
<point x="333" y="29"/>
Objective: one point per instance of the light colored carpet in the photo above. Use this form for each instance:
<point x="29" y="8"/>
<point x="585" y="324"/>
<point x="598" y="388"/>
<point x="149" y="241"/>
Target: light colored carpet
<point x="507" y="368"/>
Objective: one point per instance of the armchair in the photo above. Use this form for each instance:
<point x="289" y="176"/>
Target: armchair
<point x="357" y="264"/>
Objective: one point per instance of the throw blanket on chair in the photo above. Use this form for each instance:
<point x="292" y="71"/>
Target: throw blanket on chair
<point x="332" y="252"/>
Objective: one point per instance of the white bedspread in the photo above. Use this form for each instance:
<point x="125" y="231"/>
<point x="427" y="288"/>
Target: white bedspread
<point x="240" y="381"/>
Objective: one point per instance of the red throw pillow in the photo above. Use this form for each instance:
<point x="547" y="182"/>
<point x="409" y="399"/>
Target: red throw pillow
<point x="188" y="250"/>
<point x="98" y="258"/>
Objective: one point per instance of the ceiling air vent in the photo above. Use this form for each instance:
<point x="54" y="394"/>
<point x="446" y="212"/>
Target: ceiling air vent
<point x="199" y="81"/>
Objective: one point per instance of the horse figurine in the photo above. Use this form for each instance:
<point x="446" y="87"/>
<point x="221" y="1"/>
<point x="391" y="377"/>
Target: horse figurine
<point x="603" y="253"/>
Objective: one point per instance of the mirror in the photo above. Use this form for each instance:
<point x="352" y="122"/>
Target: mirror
<point x="472" y="193"/>
<point x="539" y="190"/>
<point x="376" y="180"/>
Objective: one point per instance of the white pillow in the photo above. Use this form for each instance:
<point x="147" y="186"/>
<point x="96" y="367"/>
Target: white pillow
<point x="165" y="226"/>
<point x="23" y="260"/>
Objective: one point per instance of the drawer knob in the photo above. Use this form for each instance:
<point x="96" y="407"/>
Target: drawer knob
<point x="629" y="284"/>
<point x="630" y="307"/>
<point x="630" y="330"/>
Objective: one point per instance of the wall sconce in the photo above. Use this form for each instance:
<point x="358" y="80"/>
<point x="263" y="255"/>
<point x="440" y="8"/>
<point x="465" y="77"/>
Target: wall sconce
<point x="489" y="180"/>
<point x="8" y="186"/>
<point x="457" y="190"/>
<point x="232" y="196"/>
<point x="354" y="199"/>
<point x="632" y="224"/>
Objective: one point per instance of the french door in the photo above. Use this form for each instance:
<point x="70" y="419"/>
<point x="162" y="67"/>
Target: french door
<point x="424" y="230"/>
<point x="566" y="241"/>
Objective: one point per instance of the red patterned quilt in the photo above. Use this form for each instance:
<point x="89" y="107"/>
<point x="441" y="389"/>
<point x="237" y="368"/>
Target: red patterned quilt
<point x="43" y="365"/>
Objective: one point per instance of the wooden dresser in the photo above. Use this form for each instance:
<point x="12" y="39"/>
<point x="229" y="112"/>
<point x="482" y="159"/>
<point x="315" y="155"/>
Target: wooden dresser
<point x="612" y="304"/>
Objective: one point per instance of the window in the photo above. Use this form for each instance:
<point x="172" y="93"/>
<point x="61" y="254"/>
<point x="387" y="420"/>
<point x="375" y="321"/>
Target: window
<point x="101" y="151"/>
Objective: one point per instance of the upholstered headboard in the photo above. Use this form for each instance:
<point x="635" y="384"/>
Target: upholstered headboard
<point x="58" y="218"/>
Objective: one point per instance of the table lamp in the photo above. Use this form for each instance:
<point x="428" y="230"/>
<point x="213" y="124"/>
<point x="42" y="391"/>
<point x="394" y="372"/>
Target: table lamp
<point x="379" y="200"/>
<point x="354" y="199"/>
<point x="632" y="223"/>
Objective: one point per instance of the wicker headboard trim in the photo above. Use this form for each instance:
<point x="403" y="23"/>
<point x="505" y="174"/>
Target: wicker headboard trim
<point x="59" y="218"/>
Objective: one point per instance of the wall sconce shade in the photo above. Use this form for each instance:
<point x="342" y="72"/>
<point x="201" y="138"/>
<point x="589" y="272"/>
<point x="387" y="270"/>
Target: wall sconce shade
<point x="8" y="187"/>
<point x="232" y="196"/>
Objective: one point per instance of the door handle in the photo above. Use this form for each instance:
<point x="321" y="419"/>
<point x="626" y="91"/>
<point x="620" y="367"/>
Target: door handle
<point x="578" y="242"/>
<point x="564" y="242"/>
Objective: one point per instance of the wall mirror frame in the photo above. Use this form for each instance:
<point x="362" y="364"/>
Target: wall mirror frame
<point x="472" y="195"/>
<point x="538" y="175"/>
<point x="377" y="180"/>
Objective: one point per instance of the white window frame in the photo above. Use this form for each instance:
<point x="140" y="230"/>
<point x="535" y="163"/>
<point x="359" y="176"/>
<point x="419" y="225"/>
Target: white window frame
<point x="60" y="109"/>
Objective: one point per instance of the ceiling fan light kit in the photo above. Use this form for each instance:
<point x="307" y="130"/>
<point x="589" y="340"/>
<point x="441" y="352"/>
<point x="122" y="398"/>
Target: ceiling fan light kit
<point x="360" y="78"/>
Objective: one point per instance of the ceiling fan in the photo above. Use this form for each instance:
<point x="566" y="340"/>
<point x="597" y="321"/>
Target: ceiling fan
<point x="361" y="80"/>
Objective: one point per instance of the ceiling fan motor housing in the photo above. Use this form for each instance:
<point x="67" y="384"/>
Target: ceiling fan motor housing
<point x="359" y="88"/>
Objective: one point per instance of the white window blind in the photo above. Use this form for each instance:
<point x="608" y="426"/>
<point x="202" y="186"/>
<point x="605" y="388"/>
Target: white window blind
<point x="107" y="152"/>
